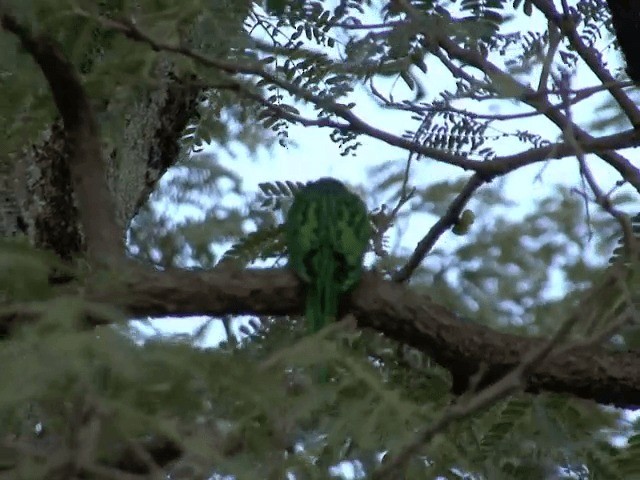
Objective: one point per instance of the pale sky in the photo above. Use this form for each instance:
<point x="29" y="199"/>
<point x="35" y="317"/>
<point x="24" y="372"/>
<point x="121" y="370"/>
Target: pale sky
<point x="315" y="155"/>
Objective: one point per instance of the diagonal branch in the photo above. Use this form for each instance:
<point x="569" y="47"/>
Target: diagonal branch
<point x="590" y="56"/>
<point x="392" y="309"/>
<point x="435" y="232"/>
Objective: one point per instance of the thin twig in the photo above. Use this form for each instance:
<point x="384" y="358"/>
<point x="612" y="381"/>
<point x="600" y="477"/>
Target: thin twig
<point x="436" y="43"/>
<point x="445" y="222"/>
<point x="590" y="56"/>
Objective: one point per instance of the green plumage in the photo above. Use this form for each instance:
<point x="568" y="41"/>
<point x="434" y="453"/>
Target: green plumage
<point x="327" y="231"/>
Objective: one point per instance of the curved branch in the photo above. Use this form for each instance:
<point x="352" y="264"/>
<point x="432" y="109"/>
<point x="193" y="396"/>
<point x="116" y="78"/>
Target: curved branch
<point x="88" y="173"/>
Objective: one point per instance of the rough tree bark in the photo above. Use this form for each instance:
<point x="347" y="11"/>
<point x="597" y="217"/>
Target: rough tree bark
<point x="36" y="198"/>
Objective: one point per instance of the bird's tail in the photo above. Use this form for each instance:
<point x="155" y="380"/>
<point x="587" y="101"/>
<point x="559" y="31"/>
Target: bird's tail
<point x="323" y="294"/>
<point x="322" y="302"/>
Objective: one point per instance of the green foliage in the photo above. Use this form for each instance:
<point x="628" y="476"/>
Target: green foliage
<point x="261" y="244"/>
<point x="197" y="186"/>
<point x="277" y="191"/>
<point x="247" y="406"/>
<point x="24" y="271"/>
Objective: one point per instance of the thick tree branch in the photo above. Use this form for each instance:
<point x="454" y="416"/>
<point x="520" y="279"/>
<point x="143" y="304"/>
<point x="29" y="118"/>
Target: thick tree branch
<point x="463" y="348"/>
<point x="88" y="174"/>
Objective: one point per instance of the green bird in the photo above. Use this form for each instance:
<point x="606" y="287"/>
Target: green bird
<point x="327" y="231"/>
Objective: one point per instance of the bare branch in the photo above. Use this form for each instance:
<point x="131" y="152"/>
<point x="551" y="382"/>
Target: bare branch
<point x="445" y="222"/>
<point x="488" y="170"/>
<point x="590" y="56"/>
